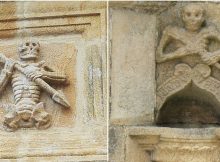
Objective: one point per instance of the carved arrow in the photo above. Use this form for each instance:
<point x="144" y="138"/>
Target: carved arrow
<point x="56" y="96"/>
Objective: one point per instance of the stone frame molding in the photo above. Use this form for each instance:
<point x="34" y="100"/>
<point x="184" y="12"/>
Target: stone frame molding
<point x="87" y="21"/>
<point x="175" y="144"/>
<point x="143" y="141"/>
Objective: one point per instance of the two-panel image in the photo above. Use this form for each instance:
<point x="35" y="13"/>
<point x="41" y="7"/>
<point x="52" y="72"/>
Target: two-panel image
<point x="109" y="81"/>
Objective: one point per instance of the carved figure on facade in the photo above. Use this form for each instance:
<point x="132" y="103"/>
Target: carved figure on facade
<point x="28" y="78"/>
<point x="193" y="39"/>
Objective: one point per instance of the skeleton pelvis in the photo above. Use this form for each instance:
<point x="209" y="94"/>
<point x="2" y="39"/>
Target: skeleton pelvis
<point x="27" y="115"/>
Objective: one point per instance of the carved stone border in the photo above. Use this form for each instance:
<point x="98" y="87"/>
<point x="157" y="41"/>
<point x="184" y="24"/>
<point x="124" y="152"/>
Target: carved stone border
<point x="54" y="24"/>
<point x="175" y="144"/>
<point x="145" y="6"/>
<point x="53" y="142"/>
<point x="73" y="142"/>
<point x="157" y="144"/>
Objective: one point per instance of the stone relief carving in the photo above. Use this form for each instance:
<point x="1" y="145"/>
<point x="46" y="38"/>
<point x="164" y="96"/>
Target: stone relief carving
<point x="28" y="78"/>
<point x="192" y="40"/>
<point x="185" y="151"/>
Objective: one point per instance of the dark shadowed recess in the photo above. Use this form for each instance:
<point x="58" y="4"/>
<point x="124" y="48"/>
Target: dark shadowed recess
<point x="190" y="108"/>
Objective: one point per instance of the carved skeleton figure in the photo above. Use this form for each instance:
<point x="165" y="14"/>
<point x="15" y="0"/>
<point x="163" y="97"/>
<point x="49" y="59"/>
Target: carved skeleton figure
<point x="194" y="39"/>
<point x="27" y="77"/>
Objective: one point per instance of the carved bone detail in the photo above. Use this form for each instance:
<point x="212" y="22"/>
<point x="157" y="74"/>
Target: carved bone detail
<point x="27" y="83"/>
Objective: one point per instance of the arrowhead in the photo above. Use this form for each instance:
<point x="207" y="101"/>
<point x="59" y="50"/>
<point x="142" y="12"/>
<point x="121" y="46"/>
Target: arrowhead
<point x="61" y="100"/>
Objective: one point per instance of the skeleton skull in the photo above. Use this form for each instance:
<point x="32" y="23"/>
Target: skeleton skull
<point x="29" y="50"/>
<point x="193" y="16"/>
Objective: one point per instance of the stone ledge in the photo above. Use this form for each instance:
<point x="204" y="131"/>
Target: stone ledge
<point x="147" y="6"/>
<point x="89" y="158"/>
<point x="176" y="144"/>
<point x="53" y="142"/>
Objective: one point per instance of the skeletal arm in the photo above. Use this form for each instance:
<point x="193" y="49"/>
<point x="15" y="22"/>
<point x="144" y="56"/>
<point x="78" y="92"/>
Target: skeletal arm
<point x="211" y="57"/>
<point x="54" y="76"/>
<point x="165" y="40"/>
<point x="51" y="75"/>
<point x="6" y="73"/>
<point x="36" y="70"/>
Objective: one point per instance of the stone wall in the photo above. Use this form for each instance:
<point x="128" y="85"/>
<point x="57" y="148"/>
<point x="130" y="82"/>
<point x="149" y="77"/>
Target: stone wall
<point x="164" y="82"/>
<point x="160" y="80"/>
<point x="72" y="38"/>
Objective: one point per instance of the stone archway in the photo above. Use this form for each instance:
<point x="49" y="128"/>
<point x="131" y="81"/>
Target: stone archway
<point x="191" y="97"/>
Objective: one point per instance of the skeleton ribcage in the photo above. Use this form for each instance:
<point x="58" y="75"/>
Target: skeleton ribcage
<point x="26" y="92"/>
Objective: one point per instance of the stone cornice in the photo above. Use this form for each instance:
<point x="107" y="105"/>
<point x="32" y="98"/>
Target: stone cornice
<point x="150" y="6"/>
<point x="177" y="144"/>
<point x="35" y="18"/>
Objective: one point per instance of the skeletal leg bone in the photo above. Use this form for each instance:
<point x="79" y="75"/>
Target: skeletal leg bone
<point x="11" y="119"/>
<point x="41" y="117"/>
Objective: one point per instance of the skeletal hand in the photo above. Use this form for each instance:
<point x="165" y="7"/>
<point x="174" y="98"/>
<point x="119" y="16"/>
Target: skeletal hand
<point x="210" y="59"/>
<point x="9" y="65"/>
<point x="196" y="48"/>
<point x="34" y="75"/>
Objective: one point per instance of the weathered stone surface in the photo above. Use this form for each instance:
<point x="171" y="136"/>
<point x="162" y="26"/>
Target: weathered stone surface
<point x="132" y="67"/>
<point x="117" y="137"/>
<point x="186" y="47"/>
<point x="175" y="144"/>
<point x="177" y="44"/>
<point x="25" y="19"/>
<point x="142" y="6"/>
<point x="72" y="38"/>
